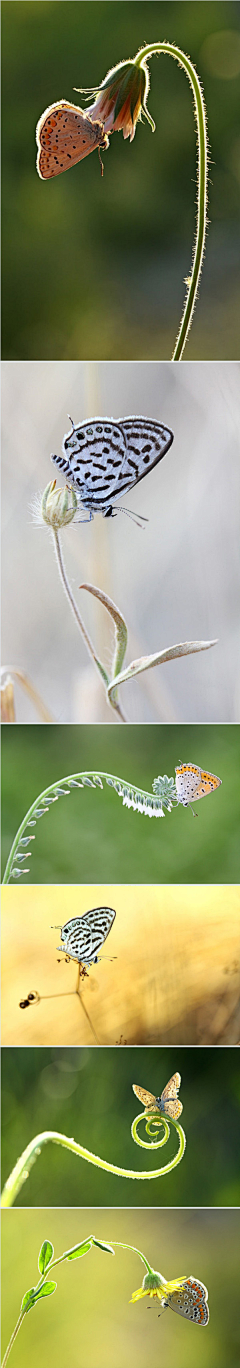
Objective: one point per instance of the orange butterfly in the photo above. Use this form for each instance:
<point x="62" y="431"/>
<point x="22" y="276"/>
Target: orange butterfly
<point x="193" y="783"/>
<point x="65" y="134"/>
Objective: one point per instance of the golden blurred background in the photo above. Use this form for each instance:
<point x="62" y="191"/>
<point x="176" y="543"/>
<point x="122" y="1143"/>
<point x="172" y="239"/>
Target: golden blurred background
<point x="89" y="1319"/>
<point x="172" y="976"/>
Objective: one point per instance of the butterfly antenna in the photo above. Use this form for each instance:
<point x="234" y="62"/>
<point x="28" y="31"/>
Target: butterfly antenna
<point x="133" y="516"/>
<point x="71" y="420"/>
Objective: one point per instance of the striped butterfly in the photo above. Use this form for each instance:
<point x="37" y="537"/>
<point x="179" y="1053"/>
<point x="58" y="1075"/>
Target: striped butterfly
<point x="65" y="134"/>
<point x="193" y="783"/>
<point x="82" y="937"/>
<point x="104" y="459"/>
<point x="169" y="1103"/>
<point x="190" y="1300"/>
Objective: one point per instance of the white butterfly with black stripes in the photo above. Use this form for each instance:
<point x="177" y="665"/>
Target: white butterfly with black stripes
<point x="103" y="459"/>
<point x="82" y="937"/>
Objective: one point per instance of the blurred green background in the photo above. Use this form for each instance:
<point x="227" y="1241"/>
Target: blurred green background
<point x="89" y="1320"/>
<point x="87" y="1093"/>
<point x="95" y="268"/>
<point x="93" y="837"/>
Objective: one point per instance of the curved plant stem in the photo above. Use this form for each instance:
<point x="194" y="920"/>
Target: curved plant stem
<point x="144" y="802"/>
<point x="199" y="245"/>
<point x="22" y="1169"/>
<point x="79" y="619"/>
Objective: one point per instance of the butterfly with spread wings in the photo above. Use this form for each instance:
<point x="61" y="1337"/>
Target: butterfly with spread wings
<point x="168" y="1103"/>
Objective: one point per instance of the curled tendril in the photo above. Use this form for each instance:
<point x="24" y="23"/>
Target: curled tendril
<point x="22" y="1168"/>
<point x="152" y="1126"/>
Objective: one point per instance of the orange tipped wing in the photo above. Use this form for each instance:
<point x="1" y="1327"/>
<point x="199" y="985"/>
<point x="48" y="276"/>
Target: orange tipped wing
<point x="190" y="1301"/>
<point x="193" y="783"/>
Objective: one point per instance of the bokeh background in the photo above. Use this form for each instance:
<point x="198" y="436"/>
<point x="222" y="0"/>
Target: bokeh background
<point x="89" y="1316"/>
<point x="173" y="975"/>
<point x="96" y="267"/>
<point x="88" y="1094"/>
<point x="93" y="837"/>
<point x="178" y="580"/>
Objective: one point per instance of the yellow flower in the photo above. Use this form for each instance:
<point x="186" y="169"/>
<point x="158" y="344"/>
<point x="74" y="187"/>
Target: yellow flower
<point x="154" y="1285"/>
<point x="121" y="98"/>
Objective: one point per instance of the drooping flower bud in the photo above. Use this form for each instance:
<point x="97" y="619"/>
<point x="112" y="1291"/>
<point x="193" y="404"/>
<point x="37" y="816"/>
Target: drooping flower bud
<point x="121" y="98"/>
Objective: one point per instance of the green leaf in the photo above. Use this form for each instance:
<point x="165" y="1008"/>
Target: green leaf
<point x="28" y="1297"/>
<point x="46" y="1253"/>
<point x="101" y="1245"/>
<point x="45" y="1291"/>
<point x="77" y="1250"/>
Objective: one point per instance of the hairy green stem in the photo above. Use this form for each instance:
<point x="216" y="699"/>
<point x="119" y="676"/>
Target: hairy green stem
<point x="21" y="1171"/>
<point x="199" y="245"/>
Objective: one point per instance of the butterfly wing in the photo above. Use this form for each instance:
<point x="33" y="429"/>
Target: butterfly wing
<point x="207" y="784"/>
<point x="83" y="936"/>
<point x="147" y="443"/>
<point x="93" y="461"/>
<point x="147" y="1098"/>
<point x="193" y="783"/>
<point x="103" y="459"/>
<point x="169" y="1097"/>
<point x="187" y="781"/>
<point x="190" y="1301"/>
<point x="65" y="135"/>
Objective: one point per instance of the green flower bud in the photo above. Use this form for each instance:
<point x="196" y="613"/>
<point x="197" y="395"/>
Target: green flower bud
<point x="58" y="506"/>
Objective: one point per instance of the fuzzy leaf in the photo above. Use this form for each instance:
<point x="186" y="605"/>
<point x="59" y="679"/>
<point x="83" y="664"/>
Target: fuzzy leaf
<point x="148" y="662"/>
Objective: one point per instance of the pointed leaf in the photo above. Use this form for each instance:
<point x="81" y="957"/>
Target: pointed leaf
<point x="46" y="1253"/>
<point x="102" y="1245"/>
<point x="148" y="662"/>
<point x="120" y="632"/>
<point x="78" y="1250"/>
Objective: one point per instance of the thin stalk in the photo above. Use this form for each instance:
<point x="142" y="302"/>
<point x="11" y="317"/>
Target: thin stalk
<point x="22" y="1168"/>
<point x="86" y="1013"/>
<point x="73" y="605"/>
<point x="120" y="1245"/>
<point x="78" y="618"/>
<point x="199" y="245"/>
<point x="13" y="1337"/>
